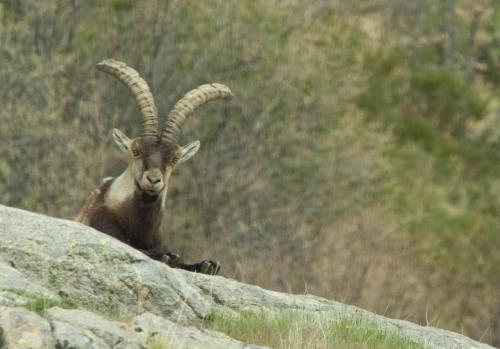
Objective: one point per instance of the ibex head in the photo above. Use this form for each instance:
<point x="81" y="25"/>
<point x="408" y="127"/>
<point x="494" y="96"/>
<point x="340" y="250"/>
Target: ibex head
<point x="153" y="155"/>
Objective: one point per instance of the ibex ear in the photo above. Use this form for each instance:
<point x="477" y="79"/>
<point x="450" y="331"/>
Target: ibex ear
<point x="121" y="140"/>
<point x="188" y="151"/>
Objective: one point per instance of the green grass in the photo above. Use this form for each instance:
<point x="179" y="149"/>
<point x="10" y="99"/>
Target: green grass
<point x="158" y="342"/>
<point x="41" y="303"/>
<point x="294" y="330"/>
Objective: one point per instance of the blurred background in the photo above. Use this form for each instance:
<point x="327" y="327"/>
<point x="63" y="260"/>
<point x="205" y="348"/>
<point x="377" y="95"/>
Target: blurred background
<point x="359" y="160"/>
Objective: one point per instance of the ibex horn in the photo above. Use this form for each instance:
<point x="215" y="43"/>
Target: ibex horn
<point x="139" y="89"/>
<point x="188" y="104"/>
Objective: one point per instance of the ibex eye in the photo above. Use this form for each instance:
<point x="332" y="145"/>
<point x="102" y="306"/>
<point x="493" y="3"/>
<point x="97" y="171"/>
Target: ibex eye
<point x="136" y="153"/>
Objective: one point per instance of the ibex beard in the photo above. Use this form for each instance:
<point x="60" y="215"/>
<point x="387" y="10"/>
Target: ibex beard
<point x="131" y="206"/>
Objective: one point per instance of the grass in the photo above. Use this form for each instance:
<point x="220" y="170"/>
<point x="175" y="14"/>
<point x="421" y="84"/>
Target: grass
<point x="40" y="304"/>
<point x="294" y="330"/>
<point x="159" y="342"/>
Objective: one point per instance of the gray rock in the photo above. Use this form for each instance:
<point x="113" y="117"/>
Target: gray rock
<point x="22" y="329"/>
<point x="60" y="259"/>
<point x="17" y="290"/>
<point x="81" y="329"/>
<point x="94" y="270"/>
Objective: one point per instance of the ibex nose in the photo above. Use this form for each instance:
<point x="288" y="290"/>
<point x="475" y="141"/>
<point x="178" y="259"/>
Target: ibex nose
<point x="153" y="180"/>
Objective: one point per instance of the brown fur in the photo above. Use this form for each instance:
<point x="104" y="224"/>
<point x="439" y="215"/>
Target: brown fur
<point x="135" y="222"/>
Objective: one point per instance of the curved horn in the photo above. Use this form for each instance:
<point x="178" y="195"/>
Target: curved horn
<point x="188" y="104"/>
<point x="140" y="90"/>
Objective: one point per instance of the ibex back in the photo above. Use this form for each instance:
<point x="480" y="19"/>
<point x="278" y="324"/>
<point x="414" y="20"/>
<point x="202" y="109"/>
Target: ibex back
<point x="130" y="207"/>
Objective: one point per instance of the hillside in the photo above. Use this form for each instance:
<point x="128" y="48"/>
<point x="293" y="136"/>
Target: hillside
<point x="100" y="293"/>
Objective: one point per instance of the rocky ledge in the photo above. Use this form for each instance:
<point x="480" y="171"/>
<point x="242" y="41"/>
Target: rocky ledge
<point x="122" y="299"/>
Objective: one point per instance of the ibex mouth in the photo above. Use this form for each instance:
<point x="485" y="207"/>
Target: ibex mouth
<point x="150" y="192"/>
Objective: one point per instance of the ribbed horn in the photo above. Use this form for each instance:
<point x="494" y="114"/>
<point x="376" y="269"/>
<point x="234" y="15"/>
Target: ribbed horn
<point x="188" y="104"/>
<point x="140" y="90"/>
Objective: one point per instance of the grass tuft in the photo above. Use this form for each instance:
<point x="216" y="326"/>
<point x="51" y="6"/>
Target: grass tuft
<point x="41" y="303"/>
<point x="159" y="342"/>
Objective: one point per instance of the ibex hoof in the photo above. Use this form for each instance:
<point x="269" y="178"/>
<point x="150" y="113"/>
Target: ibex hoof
<point x="171" y="259"/>
<point x="209" y="267"/>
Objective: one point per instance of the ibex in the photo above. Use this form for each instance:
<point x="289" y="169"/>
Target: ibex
<point x="130" y="207"/>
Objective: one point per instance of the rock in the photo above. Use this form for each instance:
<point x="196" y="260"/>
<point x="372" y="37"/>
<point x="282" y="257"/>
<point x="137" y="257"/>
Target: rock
<point x="81" y="329"/>
<point x="75" y="328"/>
<point x="17" y="290"/>
<point x="95" y="271"/>
<point x="126" y="300"/>
<point x="22" y="329"/>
